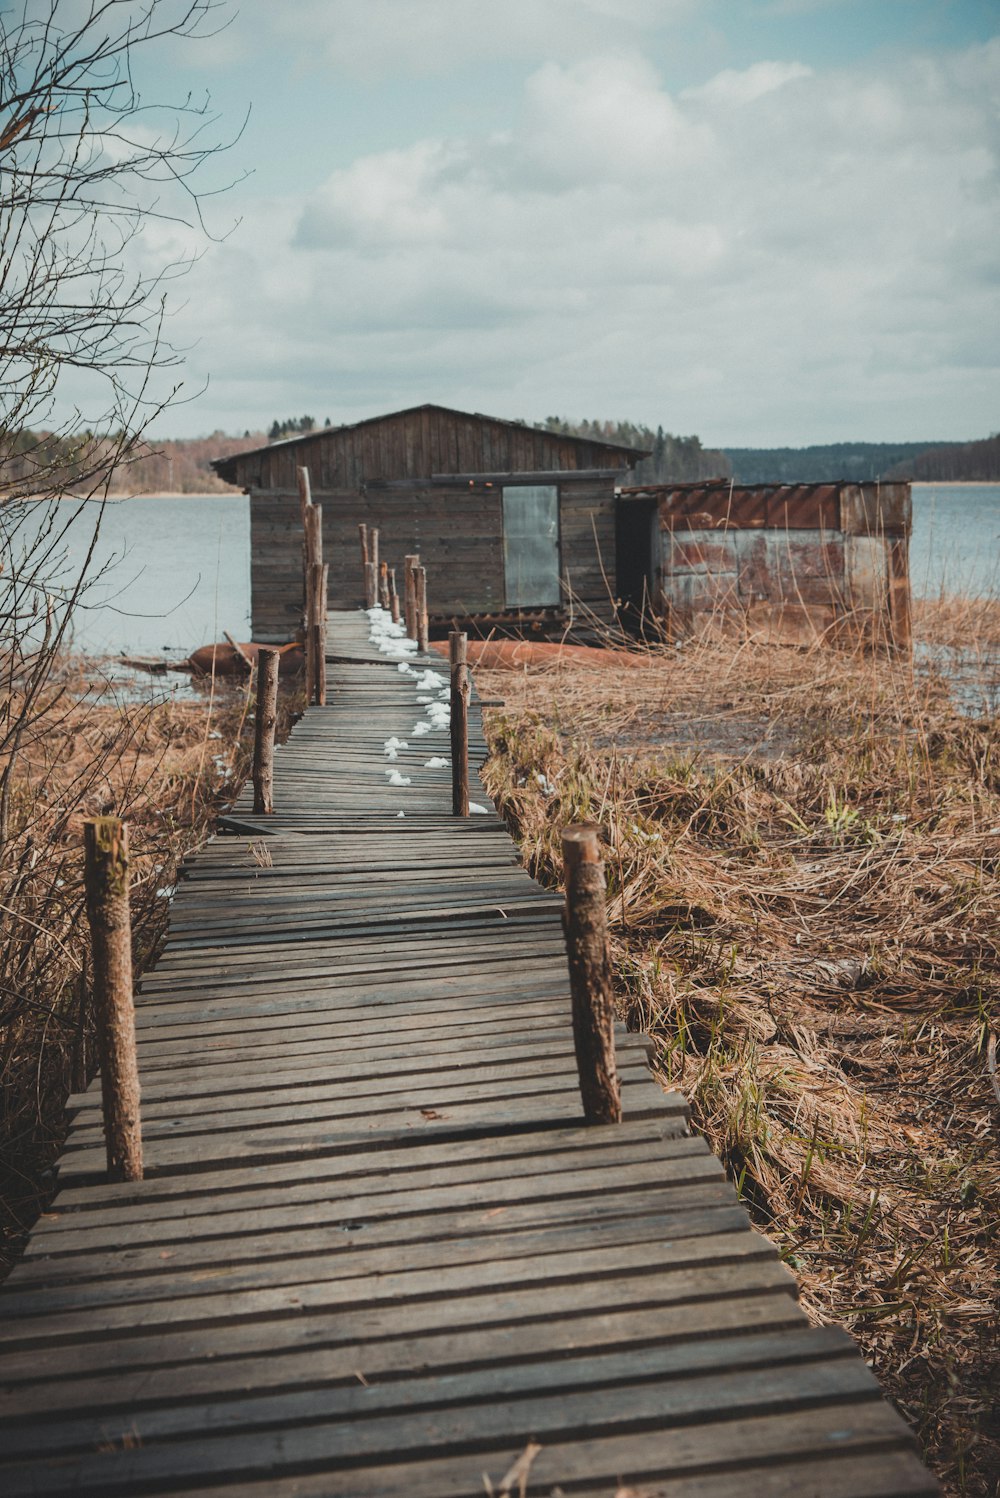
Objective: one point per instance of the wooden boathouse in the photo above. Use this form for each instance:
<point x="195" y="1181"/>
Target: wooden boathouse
<point x="518" y="524"/>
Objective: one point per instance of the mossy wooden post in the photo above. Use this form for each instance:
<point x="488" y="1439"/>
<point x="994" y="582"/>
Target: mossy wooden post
<point x="264" y="725"/>
<point x="420" y="608"/>
<point x="409" y="612"/>
<point x="586" y="927"/>
<point x="461" y="690"/>
<point x="393" y="596"/>
<point x="106" y="872"/>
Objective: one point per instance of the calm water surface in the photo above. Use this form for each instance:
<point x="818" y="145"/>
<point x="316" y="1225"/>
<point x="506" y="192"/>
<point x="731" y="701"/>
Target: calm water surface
<point x="176" y="572"/>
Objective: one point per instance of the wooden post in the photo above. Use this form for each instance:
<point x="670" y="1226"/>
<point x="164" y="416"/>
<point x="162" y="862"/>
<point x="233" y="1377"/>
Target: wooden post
<point x="373" y="548"/>
<point x="371" y="586"/>
<point x="363" y="534"/>
<point x="393" y="596"/>
<point x="461" y="690"/>
<point x="305" y="492"/>
<point x="900" y="619"/>
<point x="409" y="613"/>
<point x="106" y="874"/>
<point x="585" y="923"/>
<point x="319" y="574"/>
<point x="264" y="726"/>
<point x="420" y="607"/>
<point x="383" y="585"/>
<point x="314" y="556"/>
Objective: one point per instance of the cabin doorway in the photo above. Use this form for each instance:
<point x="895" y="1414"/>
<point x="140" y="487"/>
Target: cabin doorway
<point x="531" y="546"/>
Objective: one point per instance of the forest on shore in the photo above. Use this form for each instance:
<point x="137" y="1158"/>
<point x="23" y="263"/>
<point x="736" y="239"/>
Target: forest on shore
<point x="184" y="465"/>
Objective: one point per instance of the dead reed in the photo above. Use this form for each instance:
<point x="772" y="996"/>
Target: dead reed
<point x="166" y="767"/>
<point x="803" y="856"/>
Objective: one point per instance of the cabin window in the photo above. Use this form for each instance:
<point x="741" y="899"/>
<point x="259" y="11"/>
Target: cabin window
<point x="531" y="545"/>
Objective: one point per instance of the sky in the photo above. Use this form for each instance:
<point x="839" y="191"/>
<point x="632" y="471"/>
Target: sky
<point x="766" y="222"/>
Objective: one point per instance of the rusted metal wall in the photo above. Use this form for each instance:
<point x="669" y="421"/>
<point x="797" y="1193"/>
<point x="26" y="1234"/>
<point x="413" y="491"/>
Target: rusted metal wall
<point x="798" y="562"/>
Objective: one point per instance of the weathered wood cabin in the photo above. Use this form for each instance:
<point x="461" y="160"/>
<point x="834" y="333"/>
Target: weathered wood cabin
<point x="514" y="525"/>
<point x="792" y="562"/>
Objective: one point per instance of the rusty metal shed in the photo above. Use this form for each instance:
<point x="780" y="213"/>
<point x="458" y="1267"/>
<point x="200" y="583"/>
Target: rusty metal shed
<point x="514" y="524"/>
<point x="797" y="562"/>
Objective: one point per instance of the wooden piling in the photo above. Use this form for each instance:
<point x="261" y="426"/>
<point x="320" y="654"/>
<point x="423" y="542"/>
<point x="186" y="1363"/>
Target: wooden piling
<point x="313" y="526"/>
<point x="461" y="690"/>
<point x="373" y="547"/>
<point x="371" y="586"/>
<point x="420" y="608"/>
<point x="264" y="725"/>
<point x="585" y="924"/>
<point x="106" y="874"/>
<point x="393" y="596"/>
<point x="383" y="585"/>
<point x="409" y="612"/>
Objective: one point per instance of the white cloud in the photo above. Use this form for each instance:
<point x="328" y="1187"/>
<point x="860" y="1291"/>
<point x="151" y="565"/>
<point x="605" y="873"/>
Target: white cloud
<point x="777" y="251"/>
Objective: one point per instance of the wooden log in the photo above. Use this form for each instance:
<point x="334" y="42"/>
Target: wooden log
<point x="264" y="725"/>
<point x="420" y="607"/>
<point x="373" y="547"/>
<point x="383" y="585"/>
<point x="305" y="492"/>
<point x="314" y="535"/>
<point x="461" y="690"/>
<point x="409" y="613"/>
<point x="106" y="874"/>
<point x="241" y="654"/>
<point x="371" y="586"/>
<point x="585" y="924"/>
<point x="313" y="521"/>
<point x="393" y="596"/>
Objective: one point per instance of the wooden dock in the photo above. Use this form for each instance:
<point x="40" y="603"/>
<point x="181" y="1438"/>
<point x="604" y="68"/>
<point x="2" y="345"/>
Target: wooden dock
<point x="376" y="1251"/>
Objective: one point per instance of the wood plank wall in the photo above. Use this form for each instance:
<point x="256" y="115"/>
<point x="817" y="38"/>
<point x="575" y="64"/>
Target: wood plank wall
<point x="418" y="444"/>
<point x="458" y="533"/>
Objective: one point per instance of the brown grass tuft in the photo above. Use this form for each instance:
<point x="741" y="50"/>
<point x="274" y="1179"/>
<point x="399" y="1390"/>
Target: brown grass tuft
<point x="803" y="857"/>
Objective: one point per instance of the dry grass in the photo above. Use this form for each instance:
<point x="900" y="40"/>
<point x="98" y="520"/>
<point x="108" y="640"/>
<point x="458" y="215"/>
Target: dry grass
<point x="166" y="768"/>
<point x="803" y="858"/>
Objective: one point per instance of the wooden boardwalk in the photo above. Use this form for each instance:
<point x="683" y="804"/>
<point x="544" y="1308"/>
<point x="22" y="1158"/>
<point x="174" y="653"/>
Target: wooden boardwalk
<point x="376" y="1251"/>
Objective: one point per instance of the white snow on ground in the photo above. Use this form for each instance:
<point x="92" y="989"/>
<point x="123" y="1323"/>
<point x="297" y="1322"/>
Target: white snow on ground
<point x="396" y="779"/>
<point x="436" y="763"/>
<point x="483" y="811"/>
<point x="419" y="729"/>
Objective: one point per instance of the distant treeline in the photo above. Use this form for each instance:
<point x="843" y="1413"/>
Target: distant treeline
<point x="672" y="459"/>
<point x="866" y="461"/>
<point x="182" y="466"/>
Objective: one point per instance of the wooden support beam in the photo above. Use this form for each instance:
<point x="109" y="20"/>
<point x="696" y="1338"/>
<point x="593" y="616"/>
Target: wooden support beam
<point x="318" y="583"/>
<point x="363" y="537"/>
<point x="313" y="522"/>
<point x="586" y="927"/>
<point x="106" y="877"/>
<point x="265" y="723"/>
<point x="461" y="690"/>
<point x="383" y="585"/>
<point x="393" y="596"/>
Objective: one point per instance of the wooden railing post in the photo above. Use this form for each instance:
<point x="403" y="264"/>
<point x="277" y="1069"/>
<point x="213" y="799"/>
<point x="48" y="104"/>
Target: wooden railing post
<point x="314" y="559"/>
<point x="420" y="608"/>
<point x="383" y="585"/>
<point x="319" y="576"/>
<point x="264" y="725"/>
<point x="106" y="875"/>
<point x="363" y="534"/>
<point x="409" y="612"/>
<point x="371" y="586"/>
<point x="393" y="596"/>
<point x="305" y="492"/>
<point x="585" y="923"/>
<point x="461" y="690"/>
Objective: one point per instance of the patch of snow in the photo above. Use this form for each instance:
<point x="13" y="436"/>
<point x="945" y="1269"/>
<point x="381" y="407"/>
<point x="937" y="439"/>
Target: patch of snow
<point x="436" y="762"/>
<point x="396" y="779"/>
<point x="483" y="811"/>
<point x="419" y="729"/>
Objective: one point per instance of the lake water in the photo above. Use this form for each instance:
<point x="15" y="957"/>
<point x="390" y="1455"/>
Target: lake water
<point x="175" y="572"/>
